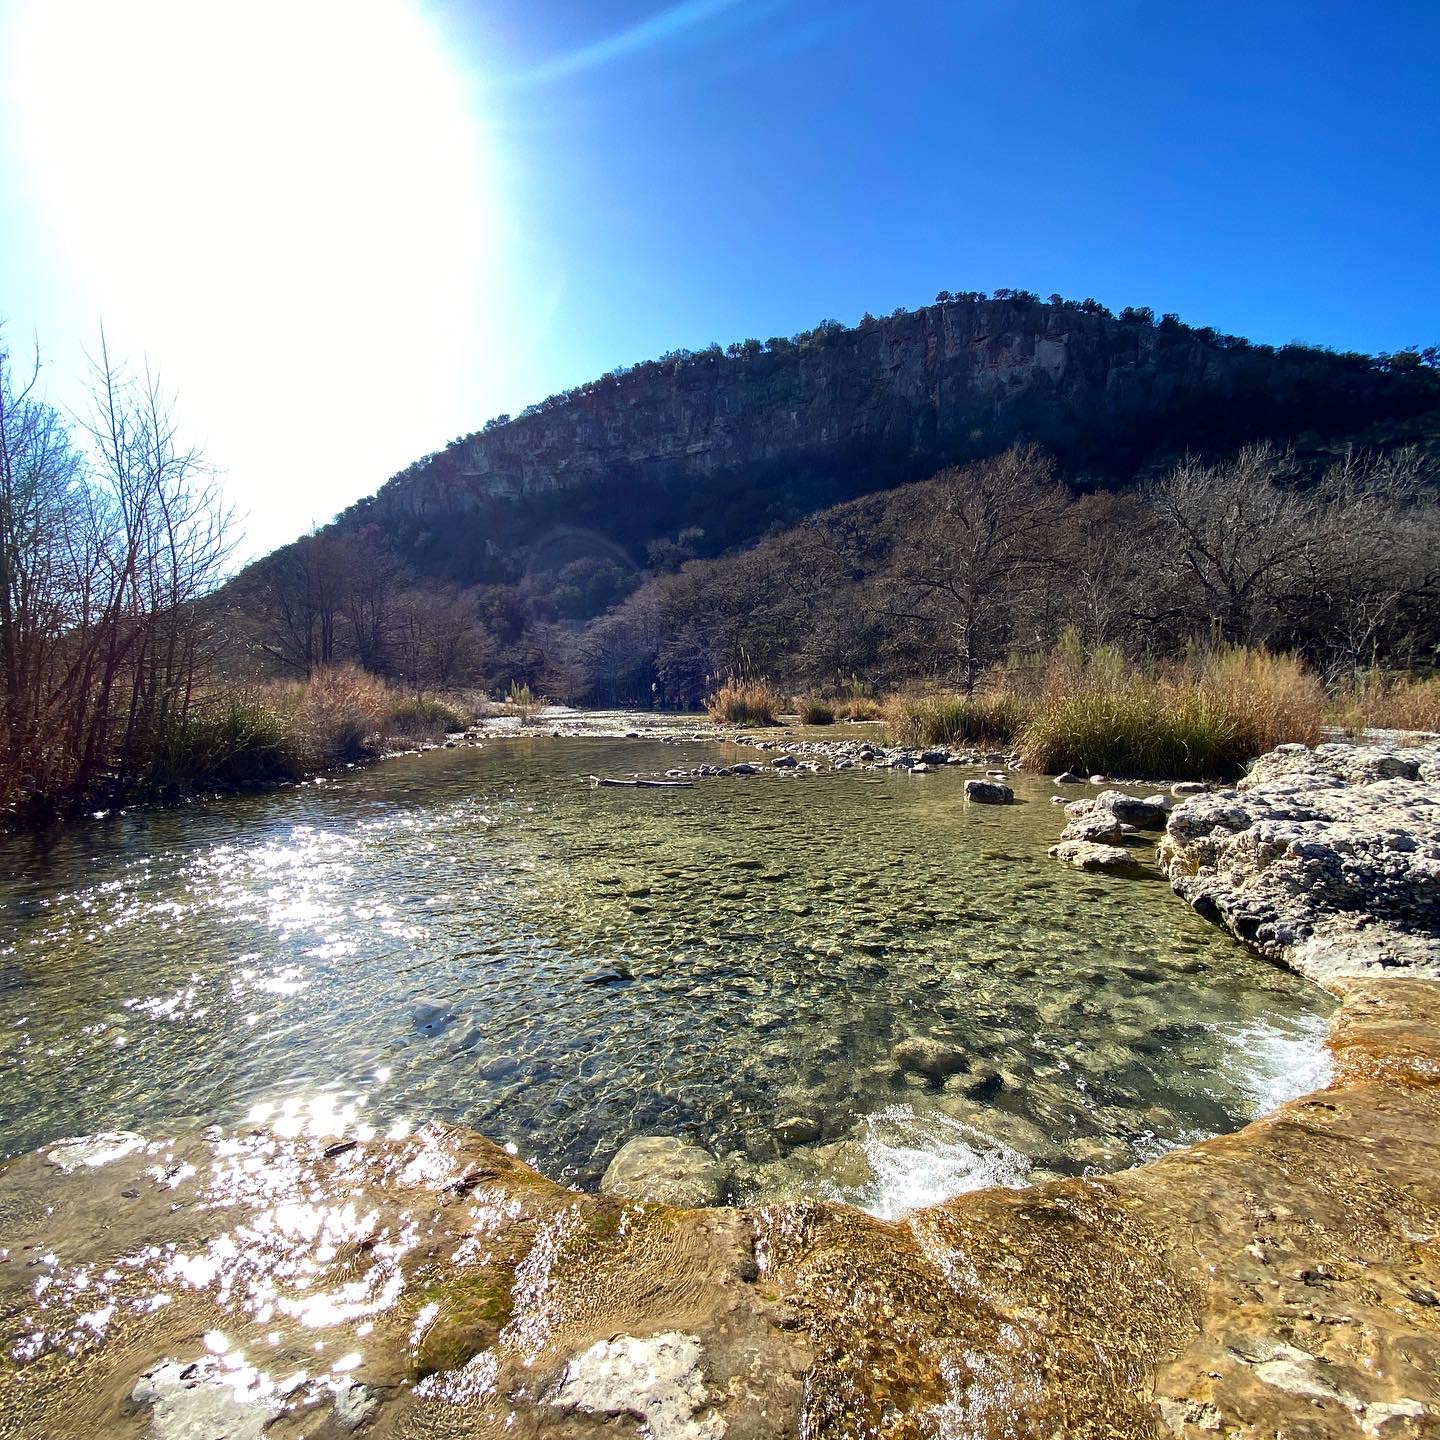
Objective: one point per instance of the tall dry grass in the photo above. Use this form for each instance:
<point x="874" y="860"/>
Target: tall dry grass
<point x="1389" y="702"/>
<point x="1201" y="719"/>
<point x="991" y="717"/>
<point x="745" y="702"/>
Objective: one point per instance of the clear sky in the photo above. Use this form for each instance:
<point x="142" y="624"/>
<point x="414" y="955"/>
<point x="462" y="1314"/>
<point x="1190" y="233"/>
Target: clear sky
<point x="348" y="230"/>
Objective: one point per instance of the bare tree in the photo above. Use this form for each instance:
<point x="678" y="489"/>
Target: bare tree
<point x="975" y="547"/>
<point x="103" y="568"/>
<point x="1235" y="537"/>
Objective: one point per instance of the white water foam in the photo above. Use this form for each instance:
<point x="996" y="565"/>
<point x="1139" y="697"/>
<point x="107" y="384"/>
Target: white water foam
<point x="1271" y="1063"/>
<point x="919" y="1160"/>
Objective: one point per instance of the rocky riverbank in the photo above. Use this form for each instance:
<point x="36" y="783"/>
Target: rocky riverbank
<point x="1280" y="1281"/>
<point x="1284" y="1280"/>
<point x="1327" y="860"/>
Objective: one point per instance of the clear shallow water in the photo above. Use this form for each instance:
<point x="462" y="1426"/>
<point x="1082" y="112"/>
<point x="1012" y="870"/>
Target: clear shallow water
<point x="430" y="939"/>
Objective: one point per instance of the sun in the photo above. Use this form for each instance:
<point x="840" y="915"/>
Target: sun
<point x="293" y="200"/>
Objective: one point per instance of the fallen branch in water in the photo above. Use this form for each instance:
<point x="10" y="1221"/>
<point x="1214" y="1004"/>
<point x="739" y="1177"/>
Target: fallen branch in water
<point x="597" y="780"/>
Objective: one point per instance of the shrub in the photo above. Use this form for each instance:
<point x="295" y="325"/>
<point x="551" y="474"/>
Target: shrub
<point x="335" y="715"/>
<point x="745" y="703"/>
<point x="423" y="718"/>
<point x="814" y="711"/>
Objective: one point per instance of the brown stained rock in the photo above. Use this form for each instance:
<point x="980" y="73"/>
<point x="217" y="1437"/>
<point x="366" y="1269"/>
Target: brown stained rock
<point x="1280" y="1282"/>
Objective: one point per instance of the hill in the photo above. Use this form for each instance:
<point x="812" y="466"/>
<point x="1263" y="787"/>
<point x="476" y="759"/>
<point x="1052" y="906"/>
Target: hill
<point x="552" y="518"/>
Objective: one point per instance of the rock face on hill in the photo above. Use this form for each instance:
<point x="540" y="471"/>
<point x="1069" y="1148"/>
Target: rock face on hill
<point x="731" y="443"/>
<point x="1325" y="859"/>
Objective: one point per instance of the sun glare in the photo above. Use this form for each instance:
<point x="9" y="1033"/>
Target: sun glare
<point x="285" y="201"/>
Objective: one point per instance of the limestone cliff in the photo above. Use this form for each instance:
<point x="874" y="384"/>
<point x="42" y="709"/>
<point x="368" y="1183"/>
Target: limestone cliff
<point x="846" y="411"/>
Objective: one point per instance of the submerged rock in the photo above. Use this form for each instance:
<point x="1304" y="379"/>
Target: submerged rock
<point x="667" y="1171"/>
<point x="200" y="1401"/>
<point x="797" y="1130"/>
<point x="430" y="1016"/>
<point x="1326" y="859"/>
<point x="932" y="1058"/>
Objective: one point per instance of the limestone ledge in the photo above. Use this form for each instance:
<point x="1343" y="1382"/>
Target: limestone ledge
<point x="1284" y="1280"/>
<point x="1327" y="860"/>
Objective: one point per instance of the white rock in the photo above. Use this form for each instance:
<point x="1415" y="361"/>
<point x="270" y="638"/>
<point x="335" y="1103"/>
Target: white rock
<point x="1327" y="860"/>
<point x="92" y="1151"/>
<point x="657" y="1380"/>
<point x="201" y="1401"/>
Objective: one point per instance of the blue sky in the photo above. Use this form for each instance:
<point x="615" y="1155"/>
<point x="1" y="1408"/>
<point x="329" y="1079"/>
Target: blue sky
<point x="350" y="231"/>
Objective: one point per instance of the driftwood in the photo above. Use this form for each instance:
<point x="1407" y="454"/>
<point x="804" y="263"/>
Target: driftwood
<point x="643" y="784"/>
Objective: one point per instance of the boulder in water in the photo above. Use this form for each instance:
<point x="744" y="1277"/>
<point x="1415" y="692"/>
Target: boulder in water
<point x="988" y="792"/>
<point x="932" y="1058"/>
<point x="667" y="1171"/>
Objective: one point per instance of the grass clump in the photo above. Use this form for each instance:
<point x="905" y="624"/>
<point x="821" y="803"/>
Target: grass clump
<point x="812" y="710"/>
<point x="235" y="741"/>
<point x="752" y="702"/>
<point x="1140" y="730"/>
<point x="990" y="718"/>
<point x="859" y="707"/>
<point x="424" y="718"/>
<point x="1201" y="721"/>
<point x="336" y="715"/>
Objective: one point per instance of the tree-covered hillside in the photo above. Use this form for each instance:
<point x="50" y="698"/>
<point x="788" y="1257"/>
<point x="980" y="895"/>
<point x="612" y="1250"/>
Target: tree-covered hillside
<point x="513" y="552"/>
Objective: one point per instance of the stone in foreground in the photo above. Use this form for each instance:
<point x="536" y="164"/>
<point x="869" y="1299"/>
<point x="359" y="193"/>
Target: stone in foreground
<point x="657" y="1381"/>
<point x="666" y="1171"/>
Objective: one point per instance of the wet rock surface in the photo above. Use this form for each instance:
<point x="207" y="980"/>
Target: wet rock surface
<point x="1279" y="1281"/>
<point x="1326" y="859"/>
<point x="666" y="1170"/>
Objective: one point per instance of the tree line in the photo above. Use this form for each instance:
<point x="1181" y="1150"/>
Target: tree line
<point x="939" y="581"/>
<point x="989" y="563"/>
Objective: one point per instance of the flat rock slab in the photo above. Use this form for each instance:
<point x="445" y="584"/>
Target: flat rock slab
<point x="1087" y="855"/>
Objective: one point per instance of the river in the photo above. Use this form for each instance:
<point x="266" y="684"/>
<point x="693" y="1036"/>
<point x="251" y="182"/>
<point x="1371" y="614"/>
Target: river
<point x="477" y="935"/>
